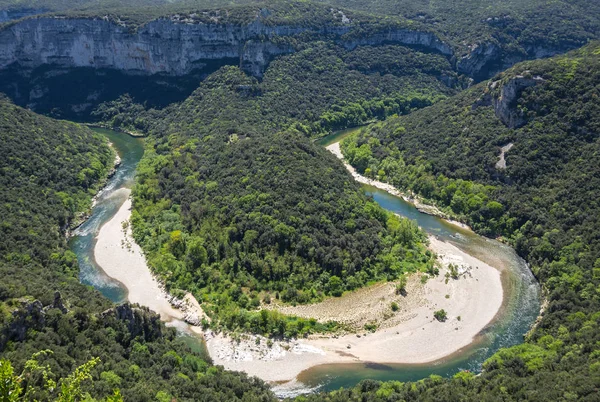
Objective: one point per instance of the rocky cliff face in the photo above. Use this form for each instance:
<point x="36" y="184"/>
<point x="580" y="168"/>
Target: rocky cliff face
<point x="505" y="101"/>
<point x="10" y="15"/>
<point x="486" y="59"/>
<point x="140" y="321"/>
<point x="166" y="45"/>
<point x="32" y="315"/>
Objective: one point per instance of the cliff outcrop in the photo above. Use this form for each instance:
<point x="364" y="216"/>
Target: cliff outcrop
<point x="504" y="99"/>
<point x="171" y="46"/>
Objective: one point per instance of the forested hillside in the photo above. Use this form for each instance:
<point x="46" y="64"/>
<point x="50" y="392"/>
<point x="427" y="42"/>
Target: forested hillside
<point x="49" y="171"/>
<point x="543" y="202"/>
<point x="321" y="88"/>
<point x="497" y="33"/>
<point x="235" y="203"/>
<point x="239" y="213"/>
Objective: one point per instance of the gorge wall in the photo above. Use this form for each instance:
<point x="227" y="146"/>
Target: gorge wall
<point x="64" y="66"/>
<point x="168" y="45"/>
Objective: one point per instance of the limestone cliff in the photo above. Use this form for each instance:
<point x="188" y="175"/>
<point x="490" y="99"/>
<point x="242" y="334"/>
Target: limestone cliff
<point x="483" y="60"/>
<point x="504" y="99"/>
<point x="170" y="46"/>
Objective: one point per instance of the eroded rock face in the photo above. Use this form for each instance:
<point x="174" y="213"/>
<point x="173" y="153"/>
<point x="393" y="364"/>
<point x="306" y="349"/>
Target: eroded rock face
<point x="29" y="315"/>
<point x="140" y="321"/>
<point x="168" y="46"/>
<point x="505" y="103"/>
<point x="411" y="38"/>
<point x="479" y="57"/>
<point x="483" y="60"/>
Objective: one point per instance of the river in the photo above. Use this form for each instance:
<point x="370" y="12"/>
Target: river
<point x="522" y="296"/>
<point x="109" y="201"/>
<point x="520" y="308"/>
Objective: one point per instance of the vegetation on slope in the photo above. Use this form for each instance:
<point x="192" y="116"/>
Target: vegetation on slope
<point x="233" y="209"/>
<point x="517" y="29"/>
<point x="321" y="88"/>
<point x="135" y="13"/>
<point x="48" y="173"/>
<point x="544" y="203"/>
<point x="510" y="30"/>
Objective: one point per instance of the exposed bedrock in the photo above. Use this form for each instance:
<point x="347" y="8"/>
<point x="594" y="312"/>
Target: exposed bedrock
<point x="505" y="102"/>
<point x="488" y="58"/>
<point x="169" y="46"/>
<point x="15" y="14"/>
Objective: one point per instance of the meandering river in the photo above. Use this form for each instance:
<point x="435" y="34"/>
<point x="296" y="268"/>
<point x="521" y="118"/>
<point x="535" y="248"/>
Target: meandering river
<point x="522" y="296"/>
<point x="108" y="202"/>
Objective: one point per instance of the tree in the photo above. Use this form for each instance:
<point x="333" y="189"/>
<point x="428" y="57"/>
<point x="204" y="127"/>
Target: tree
<point x="401" y="285"/>
<point x="70" y="386"/>
<point x="335" y="286"/>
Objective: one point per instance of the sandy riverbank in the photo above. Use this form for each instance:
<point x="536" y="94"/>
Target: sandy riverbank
<point x="121" y="258"/>
<point x="411" y="335"/>
<point x="425" y="208"/>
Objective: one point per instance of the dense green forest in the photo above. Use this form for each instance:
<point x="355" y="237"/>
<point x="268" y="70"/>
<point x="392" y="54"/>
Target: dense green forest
<point x="543" y="203"/>
<point x="235" y="203"/>
<point x="321" y="88"/>
<point x="135" y="13"/>
<point x="49" y="172"/>
<point x="240" y="214"/>
<point x="514" y="25"/>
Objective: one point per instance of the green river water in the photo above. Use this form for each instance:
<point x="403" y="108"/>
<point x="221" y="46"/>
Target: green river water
<point x="522" y="295"/>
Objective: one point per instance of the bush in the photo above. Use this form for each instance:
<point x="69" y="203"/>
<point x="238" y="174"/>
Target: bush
<point x="440" y="315"/>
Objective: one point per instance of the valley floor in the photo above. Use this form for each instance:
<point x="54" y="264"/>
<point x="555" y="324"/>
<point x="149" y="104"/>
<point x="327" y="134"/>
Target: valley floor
<point x="409" y="335"/>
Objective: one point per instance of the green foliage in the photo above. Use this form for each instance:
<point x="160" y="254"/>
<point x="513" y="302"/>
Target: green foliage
<point x="268" y="213"/>
<point x="318" y="89"/>
<point x="10" y="387"/>
<point x="514" y="27"/>
<point x="233" y="203"/>
<point x="534" y="357"/>
<point x="543" y="203"/>
<point x="440" y="315"/>
<point x="401" y="285"/>
<point x="49" y="172"/>
<point x="40" y="193"/>
<point x="70" y="387"/>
